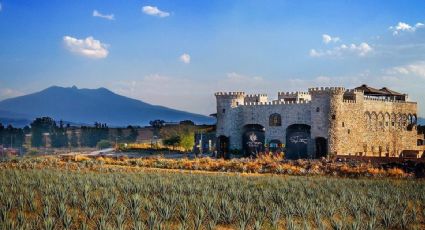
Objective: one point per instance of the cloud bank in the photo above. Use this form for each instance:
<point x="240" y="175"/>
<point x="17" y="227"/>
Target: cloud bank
<point x="88" y="47"/>
<point x="328" y="39"/>
<point x="154" y="11"/>
<point x="360" y="50"/>
<point x="404" y="27"/>
<point x="104" y="16"/>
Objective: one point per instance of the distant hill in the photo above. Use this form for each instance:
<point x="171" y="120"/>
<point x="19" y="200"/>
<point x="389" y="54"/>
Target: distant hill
<point x="86" y="106"/>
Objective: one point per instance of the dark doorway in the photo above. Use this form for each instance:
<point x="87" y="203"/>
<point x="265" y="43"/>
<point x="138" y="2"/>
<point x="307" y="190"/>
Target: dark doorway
<point x="223" y="147"/>
<point x="297" y="140"/>
<point x="321" y="147"/>
<point x="253" y="140"/>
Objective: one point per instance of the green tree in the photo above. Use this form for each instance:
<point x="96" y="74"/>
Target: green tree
<point x="187" y="141"/>
<point x="172" y="141"/>
<point x="157" y="125"/>
<point x="103" y="144"/>
<point x="90" y="136"/>
<point x="11" y="137"/>
<point x="132" y="137"/>
<point x="40" y="126"/>
<point x="59" y="137"/>
<point x="74" y="139"/>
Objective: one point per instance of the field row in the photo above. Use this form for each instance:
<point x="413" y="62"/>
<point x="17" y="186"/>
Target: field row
<point x="64" y="199"/>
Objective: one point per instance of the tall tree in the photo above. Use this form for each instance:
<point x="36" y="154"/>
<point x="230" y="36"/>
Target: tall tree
<point x="74" y="139"/>
<point x="40" y="126"/>
<point x="132" y="137"/>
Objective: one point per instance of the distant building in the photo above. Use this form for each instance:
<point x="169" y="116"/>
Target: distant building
<point x="323" y="121"/>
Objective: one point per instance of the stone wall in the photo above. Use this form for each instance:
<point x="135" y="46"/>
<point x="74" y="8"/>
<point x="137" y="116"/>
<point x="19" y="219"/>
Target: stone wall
<point x="351" y="123"/>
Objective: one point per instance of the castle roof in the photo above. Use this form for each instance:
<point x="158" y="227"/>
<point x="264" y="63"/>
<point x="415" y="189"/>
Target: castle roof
<point x="370" y="91"/>
<point x="391" y="92"/>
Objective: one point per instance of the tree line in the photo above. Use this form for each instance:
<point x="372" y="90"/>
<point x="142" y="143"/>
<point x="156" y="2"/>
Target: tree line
<point x="46" y="129"/>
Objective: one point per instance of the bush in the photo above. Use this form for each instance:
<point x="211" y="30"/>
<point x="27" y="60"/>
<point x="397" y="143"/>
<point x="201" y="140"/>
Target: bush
<point x="103" y="144"/>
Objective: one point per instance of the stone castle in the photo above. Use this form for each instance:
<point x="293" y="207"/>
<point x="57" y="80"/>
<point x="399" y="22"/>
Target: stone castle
<point x="321" y="122"/>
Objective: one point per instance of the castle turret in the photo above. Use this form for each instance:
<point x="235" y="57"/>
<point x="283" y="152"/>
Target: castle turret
<point x="324" y="109"/>
<point x="228" y="117"/>
<point x="256" y="98"/>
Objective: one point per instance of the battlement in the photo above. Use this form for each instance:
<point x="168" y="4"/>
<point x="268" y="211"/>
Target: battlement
<point x="353" y="91"/>
<point x="255" y="95"/>
<point x="388" y="100"/>
<point x="229" y="94"/>
<point x="349" y="101"/>
<point x="276" y="102"/>
<point x="327" y="89"/>
<point x="292" y="93"/>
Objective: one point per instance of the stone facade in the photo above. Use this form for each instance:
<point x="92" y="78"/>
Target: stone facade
<point x="334" y="121"/>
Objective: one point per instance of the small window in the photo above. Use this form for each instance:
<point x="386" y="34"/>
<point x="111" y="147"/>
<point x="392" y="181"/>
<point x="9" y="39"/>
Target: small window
<point x="317" y="109"/>
<point x="333" y="117"/>
<point x="343" y="124"/>
<point x="275" y="120"/>
<point x="392" y="124"/>
<point x="224" y="110"/>
<point x="349" y="131"/>
<point x="237" y="103"/>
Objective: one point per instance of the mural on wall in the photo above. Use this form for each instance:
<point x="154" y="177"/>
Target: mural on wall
<point x="253" y="140"/>
<point x="297" y="140"/>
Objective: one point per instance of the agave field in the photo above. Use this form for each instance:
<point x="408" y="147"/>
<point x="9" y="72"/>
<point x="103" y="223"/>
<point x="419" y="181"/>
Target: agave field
<point x="65" y="199"/>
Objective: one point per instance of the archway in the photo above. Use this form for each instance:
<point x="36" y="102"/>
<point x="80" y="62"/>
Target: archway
<point x="321" y="147"/>
<point x="253" y="140"/>
<point x="297" y="139"/>
<point x="223" y="147"/>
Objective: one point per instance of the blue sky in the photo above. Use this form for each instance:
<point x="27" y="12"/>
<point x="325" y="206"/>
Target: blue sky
<point x="178" y="53"/>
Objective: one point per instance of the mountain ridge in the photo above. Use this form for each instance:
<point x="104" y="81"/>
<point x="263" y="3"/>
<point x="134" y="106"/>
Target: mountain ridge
<point x="92" y="105"/>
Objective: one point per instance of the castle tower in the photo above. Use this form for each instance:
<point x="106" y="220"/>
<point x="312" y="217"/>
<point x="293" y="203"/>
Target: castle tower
<point x="229" y="120"/>
<point x="320" y="121"/>
<point x="335" y="118"/>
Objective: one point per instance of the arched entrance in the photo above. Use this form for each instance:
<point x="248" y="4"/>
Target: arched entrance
<point x="297" y="140"/>
<point x="321" y="147"/>
<point x="253" y="140"/>
<point x="222" y="147"/>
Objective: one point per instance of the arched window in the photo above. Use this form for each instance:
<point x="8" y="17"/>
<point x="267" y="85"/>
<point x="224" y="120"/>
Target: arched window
<point x="275" y="120"/>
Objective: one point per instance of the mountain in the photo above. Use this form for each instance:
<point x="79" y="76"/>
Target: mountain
<point x="86" y="106"/>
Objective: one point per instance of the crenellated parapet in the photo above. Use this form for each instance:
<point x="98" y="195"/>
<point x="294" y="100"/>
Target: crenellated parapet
<point x="349" y="101"/>
<point x="292" y="93"/>
<point x="276" y="102"/>
<point x="256" y="98"/>
<point x="388" y="100"/>
<point x="229" y="94"/>
<point x="327" y="90"/>
<point x="256" y="95"/>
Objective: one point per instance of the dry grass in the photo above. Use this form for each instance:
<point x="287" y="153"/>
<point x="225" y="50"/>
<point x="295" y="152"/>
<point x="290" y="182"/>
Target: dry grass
<point x="266" y="164"/>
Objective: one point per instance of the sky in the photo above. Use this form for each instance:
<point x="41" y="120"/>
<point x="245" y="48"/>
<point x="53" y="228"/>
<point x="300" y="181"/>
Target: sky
<point x="178" y="53"/>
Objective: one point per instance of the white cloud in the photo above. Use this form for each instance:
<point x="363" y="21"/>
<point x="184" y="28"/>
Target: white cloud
<point x="185" y="58"/>
<point x="154" y="11"/>
<point x="404" y="27"/>
<point x="327" y="39"/>
<point x="416" y="69"/>
<point x="88" y="47"/>
<point x="104" y="16"/>
<point x="361" y="50"/>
